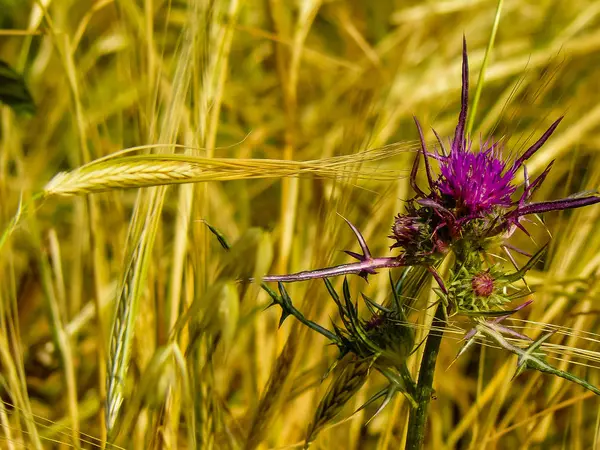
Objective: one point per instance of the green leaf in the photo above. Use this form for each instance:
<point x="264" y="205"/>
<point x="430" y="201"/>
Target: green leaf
<point x="220" y="237"/>
<point x="14" y="92"/>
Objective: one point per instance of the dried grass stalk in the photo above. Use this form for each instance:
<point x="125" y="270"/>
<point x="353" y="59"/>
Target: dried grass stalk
<point x="155" y="170"/>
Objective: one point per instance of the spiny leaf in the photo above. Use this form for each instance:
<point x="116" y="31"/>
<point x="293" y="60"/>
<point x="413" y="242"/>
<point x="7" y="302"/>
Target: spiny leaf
<point x="286" y="304"/>
<point x="331" y="291"/>
<point x="288" y="309"/>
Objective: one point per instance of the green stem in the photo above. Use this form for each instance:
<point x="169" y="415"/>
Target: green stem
<point x="484" y="64"/>
<point x="418" y="416"/>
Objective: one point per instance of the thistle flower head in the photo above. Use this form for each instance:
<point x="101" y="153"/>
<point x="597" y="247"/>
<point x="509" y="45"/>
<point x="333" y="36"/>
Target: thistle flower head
<point x="476" y="183"/>
<point x="471" y="204"/>
<point x="473" y="195"/>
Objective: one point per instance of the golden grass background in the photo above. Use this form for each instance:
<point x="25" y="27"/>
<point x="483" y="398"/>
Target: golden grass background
<point x="270" y="108"/>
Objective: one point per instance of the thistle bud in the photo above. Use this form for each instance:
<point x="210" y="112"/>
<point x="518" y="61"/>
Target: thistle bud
<point x="405" y="231"/>
<point x="482" y="284"/>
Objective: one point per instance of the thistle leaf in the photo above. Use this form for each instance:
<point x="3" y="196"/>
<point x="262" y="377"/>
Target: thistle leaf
<point x="286" y="304"/>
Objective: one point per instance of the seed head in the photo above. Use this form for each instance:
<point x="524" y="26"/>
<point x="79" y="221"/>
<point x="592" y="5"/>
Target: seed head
<point x="483" y="284"/>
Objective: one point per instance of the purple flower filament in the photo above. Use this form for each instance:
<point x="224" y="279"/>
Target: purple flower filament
<point x="476" y="182"/>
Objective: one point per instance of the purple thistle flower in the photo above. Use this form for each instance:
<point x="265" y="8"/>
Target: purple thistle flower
<point x="474" y="185"/>
<point x="471" y="199"/>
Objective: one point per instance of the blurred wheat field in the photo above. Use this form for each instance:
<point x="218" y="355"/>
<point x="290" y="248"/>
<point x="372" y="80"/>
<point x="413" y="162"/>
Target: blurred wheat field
<point x="120" y="311"/>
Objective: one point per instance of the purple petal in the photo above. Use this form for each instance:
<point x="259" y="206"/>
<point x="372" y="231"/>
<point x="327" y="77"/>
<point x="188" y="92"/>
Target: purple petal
<point x="477" y="182"/>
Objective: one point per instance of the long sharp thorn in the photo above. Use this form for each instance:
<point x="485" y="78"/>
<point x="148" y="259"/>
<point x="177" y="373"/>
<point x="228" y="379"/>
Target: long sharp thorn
<point x="359" y="237"/>
<point x="375" y="305"/>
<point x="533" y="347"/>
<point x="511" y="332"/>
<point x="424" y="150"/>
<point x="374" y="398"/>
<point x="530" y="188"/>
<point x="521" y="306"/>
<point x="535" y="147"/>
<point x="464" y="348"/>
<point x="554" y="205"/>
<point x="385" y="402"/>
<point x="439" y="139"/>
<point x="522" y="228"/>
<point x="540" y="179"/>
<point x="354" y="255"/>
<point x="539" y="341"/>
<point x="510" y="256"/>
<point x="438" y="279"/>
<point x="526" y="178"/>
<point x="526" y="355"/>
<point x="459" y="135"/>
<point x="413" y="177"/>
<point x="516" y="249"/>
